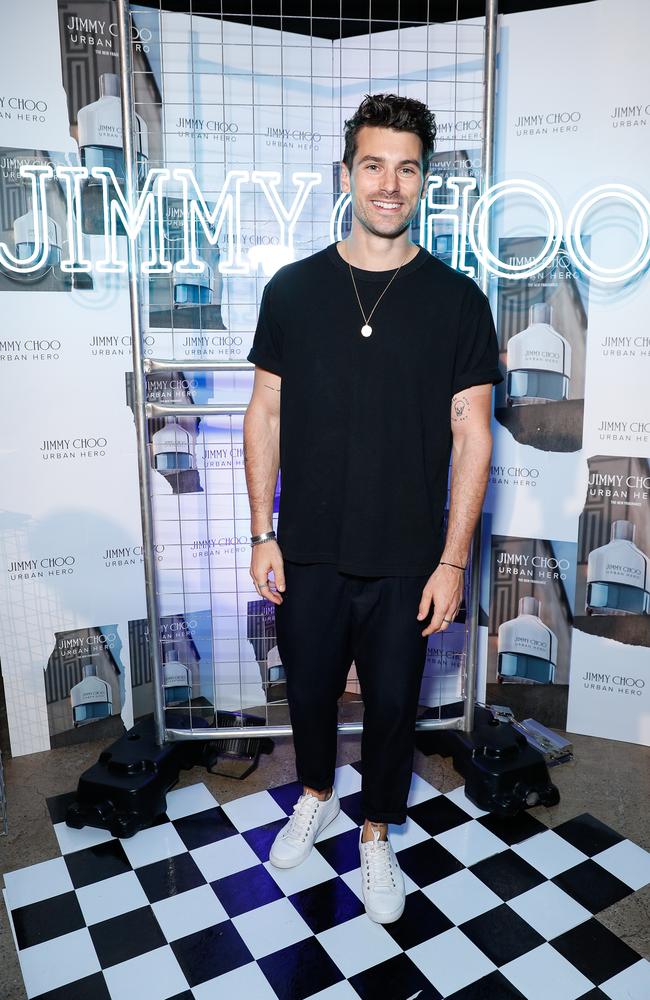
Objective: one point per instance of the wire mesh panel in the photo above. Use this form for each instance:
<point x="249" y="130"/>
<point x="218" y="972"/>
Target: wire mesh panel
<point x="253" y="104"/>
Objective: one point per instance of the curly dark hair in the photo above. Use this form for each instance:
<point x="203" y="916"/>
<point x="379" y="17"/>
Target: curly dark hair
<point x="404" y="114"/>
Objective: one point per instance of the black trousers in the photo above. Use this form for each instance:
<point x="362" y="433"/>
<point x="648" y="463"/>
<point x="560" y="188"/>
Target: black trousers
<point x="326" y="620"/>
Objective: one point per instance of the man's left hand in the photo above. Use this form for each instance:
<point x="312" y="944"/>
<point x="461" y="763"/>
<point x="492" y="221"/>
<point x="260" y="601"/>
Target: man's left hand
<point x="443" y="589"/>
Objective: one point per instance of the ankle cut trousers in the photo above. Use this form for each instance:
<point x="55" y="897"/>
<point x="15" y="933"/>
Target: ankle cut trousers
<point x="328" y="619"/>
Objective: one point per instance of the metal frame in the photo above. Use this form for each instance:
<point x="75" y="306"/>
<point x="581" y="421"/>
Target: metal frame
<point x="139" y="381"/>
<point x="144" y="410"/>
<point x="487" y="172"/>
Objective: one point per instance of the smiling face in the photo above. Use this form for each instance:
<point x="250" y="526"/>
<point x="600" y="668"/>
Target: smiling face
<point x="387" y="180"/>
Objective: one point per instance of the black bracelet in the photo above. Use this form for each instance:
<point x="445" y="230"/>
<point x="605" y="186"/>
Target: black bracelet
<point x="463" y="568"/>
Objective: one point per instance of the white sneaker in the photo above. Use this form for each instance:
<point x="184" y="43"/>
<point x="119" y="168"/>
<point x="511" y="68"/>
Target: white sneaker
<point x="296" y="839"/>
<point x="382" y="882"/>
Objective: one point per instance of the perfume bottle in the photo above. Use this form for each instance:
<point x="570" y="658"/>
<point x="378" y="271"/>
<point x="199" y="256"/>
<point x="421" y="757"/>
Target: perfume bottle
<point x="618" y="575"/>
<point x="177" y="681"/>
<point x="539" y="361"/>
<point x="444" y="246"/>
<point x="172" y="447"/>
<point x="275" y="668"/>
<point x="527" y="649"/>
<point x="194" y="289"/>
<point x="91" y="698"/>
<point x="25" y="239"/>
<point x="100" y="130"/>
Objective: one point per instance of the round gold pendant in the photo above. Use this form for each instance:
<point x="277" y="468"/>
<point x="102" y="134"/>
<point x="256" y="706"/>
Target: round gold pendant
<point x="366" y="330"/>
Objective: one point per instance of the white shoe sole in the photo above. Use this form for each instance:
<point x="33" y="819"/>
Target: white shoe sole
<point x="284" y="863"/>
<point x="386" y="918"/>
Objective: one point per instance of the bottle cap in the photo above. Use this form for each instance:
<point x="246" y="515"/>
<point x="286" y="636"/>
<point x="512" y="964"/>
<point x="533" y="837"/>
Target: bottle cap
<point x="172" y="437"/>
<point x="528" y="606"/>
<point x="541" y="312"/>
<point x="89" y="670"/>
<point x="109" y="85"/>
<point x="202" y="278"/>
<point x="171" y="656"/>
<point x="24" y="230"/>
<point x="624" y="530"/>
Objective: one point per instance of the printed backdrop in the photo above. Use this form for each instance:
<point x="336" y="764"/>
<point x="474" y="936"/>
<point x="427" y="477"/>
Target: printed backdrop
<point x="564" y="631"/>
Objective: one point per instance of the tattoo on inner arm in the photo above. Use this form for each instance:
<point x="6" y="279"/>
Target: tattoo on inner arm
<point x="460" y="408"/>
<point x="271" y="387"/>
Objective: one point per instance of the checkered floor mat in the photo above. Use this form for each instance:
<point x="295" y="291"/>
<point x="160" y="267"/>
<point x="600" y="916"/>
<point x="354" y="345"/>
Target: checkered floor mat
<point x="191" y="908"/>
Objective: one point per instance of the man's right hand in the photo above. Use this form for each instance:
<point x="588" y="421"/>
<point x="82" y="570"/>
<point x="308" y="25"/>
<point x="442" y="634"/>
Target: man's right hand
<point x="266" y="558"/>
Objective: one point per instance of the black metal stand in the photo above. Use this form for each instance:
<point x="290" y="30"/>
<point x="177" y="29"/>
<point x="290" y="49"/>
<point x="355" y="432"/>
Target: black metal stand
<point x="126" y="790"/>
<point x="503" y="773"/>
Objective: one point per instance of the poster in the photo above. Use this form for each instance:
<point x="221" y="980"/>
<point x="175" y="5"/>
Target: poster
<point x="217" y="96"/>
<point x="542" y="329"/>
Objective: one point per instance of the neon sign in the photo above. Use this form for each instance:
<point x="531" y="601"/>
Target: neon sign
<point x="144" y="221"/>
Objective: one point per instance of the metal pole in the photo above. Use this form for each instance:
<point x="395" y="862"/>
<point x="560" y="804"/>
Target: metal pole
<point x="139" y="381"/>
<point x="156" y="365"/>
<point x="193" y="409"/>
<point x="255" y="732"/>
<point x="487" y="170"/>
<point x="3" y="802"/>
<point x="489" y="108"/>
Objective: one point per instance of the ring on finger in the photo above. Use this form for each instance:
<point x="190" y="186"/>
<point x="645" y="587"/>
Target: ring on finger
<point x="263" y="584"/>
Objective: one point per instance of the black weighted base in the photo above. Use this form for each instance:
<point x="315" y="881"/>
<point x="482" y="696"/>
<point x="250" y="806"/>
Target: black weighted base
<point x="126" y="790"/>
<point x="503" y="773"/>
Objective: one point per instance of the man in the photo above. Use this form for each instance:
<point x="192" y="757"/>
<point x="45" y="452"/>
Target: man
<point x="372" y="357"/>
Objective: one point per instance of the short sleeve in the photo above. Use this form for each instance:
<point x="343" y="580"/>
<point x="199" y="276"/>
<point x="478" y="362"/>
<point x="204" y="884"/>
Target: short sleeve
<point x="268" y="341"/>
<point x="477" y="353"/>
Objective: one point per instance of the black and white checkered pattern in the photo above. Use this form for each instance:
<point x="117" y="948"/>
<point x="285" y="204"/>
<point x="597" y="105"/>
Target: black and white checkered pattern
<point x="192" y="908"/>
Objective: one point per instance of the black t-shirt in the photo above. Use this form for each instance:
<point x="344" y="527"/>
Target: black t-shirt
<point x="365" y="428"/>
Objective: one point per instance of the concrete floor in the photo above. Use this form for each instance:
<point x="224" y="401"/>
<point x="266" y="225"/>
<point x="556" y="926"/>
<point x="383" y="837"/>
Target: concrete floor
<point x="607" y="779"/>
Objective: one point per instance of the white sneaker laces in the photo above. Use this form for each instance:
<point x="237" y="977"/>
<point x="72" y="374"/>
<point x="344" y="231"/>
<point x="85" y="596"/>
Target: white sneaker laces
<point x="379" y="864"/>
<point x="304" y="812"/>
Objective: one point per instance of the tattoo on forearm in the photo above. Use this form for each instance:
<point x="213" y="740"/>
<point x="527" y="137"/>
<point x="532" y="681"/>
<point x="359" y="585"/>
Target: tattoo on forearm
<point x="459" y="408"/>
<point x="271" y="387"/>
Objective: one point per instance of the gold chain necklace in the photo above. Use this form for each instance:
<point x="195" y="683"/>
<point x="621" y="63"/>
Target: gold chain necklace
<point x="366" y="329"/>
